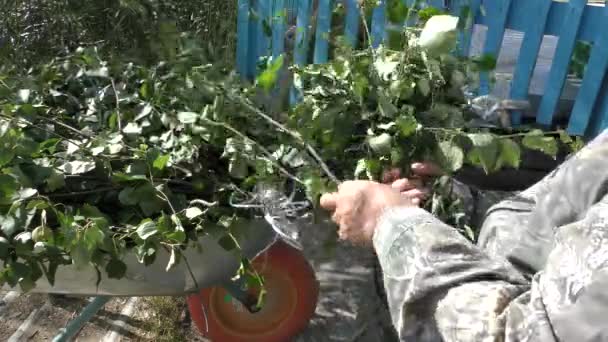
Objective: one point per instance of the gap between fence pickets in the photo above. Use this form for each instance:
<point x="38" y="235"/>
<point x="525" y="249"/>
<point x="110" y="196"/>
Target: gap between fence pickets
<point x="27" y="324"/>
<point x="120" y="324"/>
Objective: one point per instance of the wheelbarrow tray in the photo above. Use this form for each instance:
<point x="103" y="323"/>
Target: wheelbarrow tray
<point x="210" y="264"/>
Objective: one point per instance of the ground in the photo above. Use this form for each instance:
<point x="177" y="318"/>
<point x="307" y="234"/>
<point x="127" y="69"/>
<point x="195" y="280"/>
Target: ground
<point x="349" y="307"/>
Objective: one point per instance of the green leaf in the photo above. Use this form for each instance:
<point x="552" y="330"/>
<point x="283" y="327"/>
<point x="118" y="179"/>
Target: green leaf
<point x="37" y="204"/>
<point x="484" y="152"/>
<point x="397" y="11"/>
<point x="128" y="196"/>
<point x="315" y="186"/>
<point x="116" y="269"/>
<point x="8" y="225"/>
<point x="193" y="212"/>
<point x="238" y="167"/>
<point x="161" y="162"/>
<point x="407" y="125"/>
<point x="187" y="118"/>
<point x="510" y="154"/>
<point x="146" y="229"/>
<point x="178" y="236"/>
<point x="486" y="62"/>
<point x="78" y="167"/>
<point x="55" y="181"/>
<point x="6" y="156"/>
<point x="381" y="144"/>
<point x="4" y="248"/>
<point x="42" y="234"/>
<point x="269" y="77"/>
<point x="8" y="185"/>
<point x="386" y="108"/>
<point x="151" y="205"/>
<point x="123" y="177"/>
<point x="450" y="155"/>
<point x="536" y="140"/>
<point x="424" y="86"/>
<point x="80" y="255"/>
<point x="367" y="166"/>
<point x="93" y="237"/>
<point x="132" y="128"/>
<point x="26" y="193"/>
<point x="360" y="168"/>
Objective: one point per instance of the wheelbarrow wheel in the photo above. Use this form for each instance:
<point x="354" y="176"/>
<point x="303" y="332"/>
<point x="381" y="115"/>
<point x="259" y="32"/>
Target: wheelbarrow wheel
<point x="290" y="302"/>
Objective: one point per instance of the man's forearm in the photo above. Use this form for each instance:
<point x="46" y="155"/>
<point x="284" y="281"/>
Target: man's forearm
<point x="424" y="260"/>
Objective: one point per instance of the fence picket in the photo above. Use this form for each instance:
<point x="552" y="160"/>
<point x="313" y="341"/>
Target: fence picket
<point x="279" y="16"/>
<point x="323" y="31"/>
<point x="472" y="9"/>
<point x="592" y="82"/>
<point x="242" y="42"/>
<point x="498" y="11"/>
<point x="301" y="42"/>
<point x="378" y="29"/>
<point x="351" y="27"/>
<point x="561" y="61"/>
<point x="530" y="47"/>
<point x="264" y="11"/>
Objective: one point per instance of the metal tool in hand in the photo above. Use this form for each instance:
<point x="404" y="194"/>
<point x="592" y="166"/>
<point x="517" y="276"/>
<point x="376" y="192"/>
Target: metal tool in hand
<point x="280" y="211"/>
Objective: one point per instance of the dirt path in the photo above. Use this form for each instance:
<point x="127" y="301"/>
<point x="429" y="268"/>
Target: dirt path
<point x="349" y="307"/>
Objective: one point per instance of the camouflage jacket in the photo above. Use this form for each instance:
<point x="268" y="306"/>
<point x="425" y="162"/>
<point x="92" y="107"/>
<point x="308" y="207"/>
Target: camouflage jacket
<point x="539" y="271"/>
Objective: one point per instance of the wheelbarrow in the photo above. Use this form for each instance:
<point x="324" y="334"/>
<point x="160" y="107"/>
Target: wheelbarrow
<point x="221" y="308"/>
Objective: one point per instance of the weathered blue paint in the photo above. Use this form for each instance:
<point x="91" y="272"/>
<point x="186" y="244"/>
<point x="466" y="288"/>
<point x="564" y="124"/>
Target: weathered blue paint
<point x="322" y="33"/>
<point x="301" y="43"/>
<point x="561" y="61"/>
<point x="351" y="27"/>
<point x="279" y="17"/>
<point x="520" y="17"/>
<point x="599" y="121"/>
<point x="83" y="318"/>
<point x="498" y="11"/>
<point x="571" y="21"/>
<point x="378" y="29"/>
<point x="264" y="11"/>
<point x="592" y="82"/>
<point x="242" y="41"/>
<point x="464" y="38"/>
<point x="291" y="6"/>
<point x="530" y="47"/>
<point x="253" y="39"/>
<point x="302" y="33"/>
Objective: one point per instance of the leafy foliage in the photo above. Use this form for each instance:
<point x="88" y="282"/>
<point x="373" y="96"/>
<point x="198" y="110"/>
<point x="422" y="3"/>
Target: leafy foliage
<point x="390" y="107"/>
<point x="99" y="157"/>
<point x="144" y="30"/>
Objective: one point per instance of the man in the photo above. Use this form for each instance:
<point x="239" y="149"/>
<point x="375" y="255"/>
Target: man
<point x="539" y="271"/>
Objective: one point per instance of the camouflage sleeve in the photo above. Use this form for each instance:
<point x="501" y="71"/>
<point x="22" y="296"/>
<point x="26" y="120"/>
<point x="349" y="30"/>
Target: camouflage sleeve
<point x="537" y="273"/>
<point x="477" y="201"/>
<point x="439" y="286"/>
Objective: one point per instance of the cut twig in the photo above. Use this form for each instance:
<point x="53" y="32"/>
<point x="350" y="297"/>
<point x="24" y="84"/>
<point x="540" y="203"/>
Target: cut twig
<point x="118" y="118"/>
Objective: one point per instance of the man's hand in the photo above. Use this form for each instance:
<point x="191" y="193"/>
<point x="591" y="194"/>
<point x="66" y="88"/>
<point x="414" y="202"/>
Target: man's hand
<point x="358" y="205"/>
<point x="413" y="187"/>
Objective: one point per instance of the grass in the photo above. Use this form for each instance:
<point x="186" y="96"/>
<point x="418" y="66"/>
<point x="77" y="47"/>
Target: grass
<point x="165" y="319"/>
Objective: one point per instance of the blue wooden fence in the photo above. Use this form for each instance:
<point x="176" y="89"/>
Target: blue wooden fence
<point x="262" y="25"/>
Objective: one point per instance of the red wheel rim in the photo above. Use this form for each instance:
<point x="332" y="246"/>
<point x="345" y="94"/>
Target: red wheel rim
<point x="291" y="299"/>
